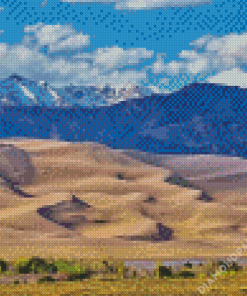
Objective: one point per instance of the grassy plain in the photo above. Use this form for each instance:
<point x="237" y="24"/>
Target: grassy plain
<point x="231" y="282"/>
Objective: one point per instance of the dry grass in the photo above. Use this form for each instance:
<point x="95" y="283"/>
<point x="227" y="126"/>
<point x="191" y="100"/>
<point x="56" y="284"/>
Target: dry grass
<point x="129" y="287"/>
<point x="230" y="283"/>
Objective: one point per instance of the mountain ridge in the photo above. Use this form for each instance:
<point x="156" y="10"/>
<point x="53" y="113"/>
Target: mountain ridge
<point x="20" y="91"/>
<point x="201" y="118"/>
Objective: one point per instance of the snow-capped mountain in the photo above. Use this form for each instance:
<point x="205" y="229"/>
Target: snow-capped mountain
<point x="201" y="118"/>
<point x="56" y="98"/>
<point x="19" y="91"/>
<point x="97" y="96"/>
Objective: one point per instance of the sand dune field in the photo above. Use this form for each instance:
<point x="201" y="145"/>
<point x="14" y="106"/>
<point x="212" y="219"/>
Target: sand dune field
<point x="90" y="201"/>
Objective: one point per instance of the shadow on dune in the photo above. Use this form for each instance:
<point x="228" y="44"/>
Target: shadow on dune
<point x="93" y="197"/>
<point x="206" y="172"/>
<point x="16" y="169"/>
<point x="14" y="186"/>
<point x="73" y="213"/>
<point x="163" y="234"/>
<point x="177" y="179"/>
<point x="56" y="213"/>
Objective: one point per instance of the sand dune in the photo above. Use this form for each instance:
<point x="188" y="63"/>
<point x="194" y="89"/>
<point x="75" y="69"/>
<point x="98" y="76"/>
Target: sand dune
<point x="92" y="201"/>
<point x="207" y="172"/>
<point x="16" y="163"/>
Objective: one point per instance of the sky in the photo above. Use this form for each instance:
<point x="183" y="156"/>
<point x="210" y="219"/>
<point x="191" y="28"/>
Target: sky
<point x="159" y="46"/>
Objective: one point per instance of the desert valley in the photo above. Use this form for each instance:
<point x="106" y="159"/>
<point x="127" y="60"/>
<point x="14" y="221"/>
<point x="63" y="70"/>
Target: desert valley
<point x="89" y="201"/>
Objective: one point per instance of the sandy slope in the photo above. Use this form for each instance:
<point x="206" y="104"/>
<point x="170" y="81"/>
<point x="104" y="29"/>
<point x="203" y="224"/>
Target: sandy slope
<point x="89" y="171"/>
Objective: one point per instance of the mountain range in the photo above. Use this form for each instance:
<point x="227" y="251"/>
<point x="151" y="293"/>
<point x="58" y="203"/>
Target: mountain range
<point x="20" y="91"/>
<point x="200" y="118"/>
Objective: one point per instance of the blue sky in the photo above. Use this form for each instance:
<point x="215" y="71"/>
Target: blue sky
<point x="151" y="44"/>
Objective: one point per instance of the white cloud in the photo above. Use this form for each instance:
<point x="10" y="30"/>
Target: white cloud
<point x="118" y="57"/>
<point x="197" y="66"/>
<point x="72" y="43"/>
<point x="234" y="77"/>
<point x="57" y="37"/>
<point x="3" y="48"/>
<point x="202" y="41"/>
<point x="101" y="66"/>
<point x="222" y="56"/>
<point x="161" y="87"/>
<point x="144" y="4"/>
<point x="159" y="66"/>
<point x="188" y="54"/>
<point x="217" y="59"/>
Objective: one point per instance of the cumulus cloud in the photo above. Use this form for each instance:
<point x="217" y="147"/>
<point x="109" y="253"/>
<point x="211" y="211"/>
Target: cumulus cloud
<point x="116" y="57"/>
<point x="218" y="59"/>
<point x="57" y="37"/>
<point x="144" y="4"/>
<point x="234" y="77"/>
<point x="111" y="65"/>
<point x="43" y="55"/>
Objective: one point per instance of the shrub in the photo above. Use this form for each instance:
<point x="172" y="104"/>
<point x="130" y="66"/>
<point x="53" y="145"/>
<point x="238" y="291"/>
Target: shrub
<point x="111" y="266"/>
<point x="81" y="276"/>
<point x="121" y="270"/>
<point x="3" y="265"/>
<point x="35" y="265"/>
<point x="186" y="274"/>
<point x="134" y="275"/>
<point x="120" y="176"/>
<point x="177" y="179"/>
<point x="188" y="265"/>
<point x="97" y="266"/>
<point x="66" y="267"/>
<point x="236" y="267"/>
<point x="46" y="279"/>
<point x="164" y="271"/>
<point x="233" y="266"/>
<point x="20" y="264"/>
